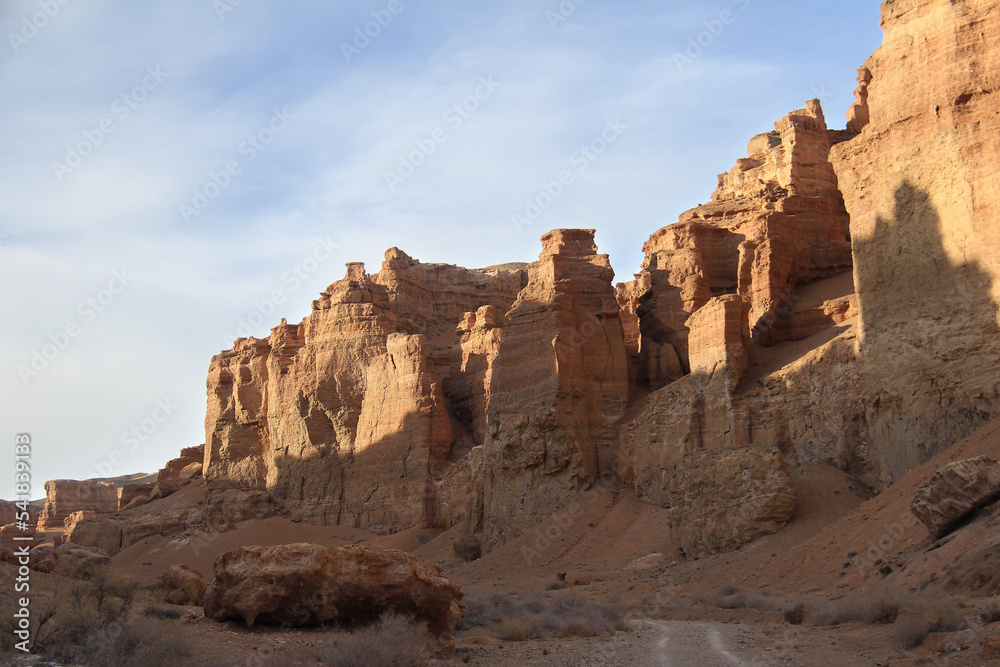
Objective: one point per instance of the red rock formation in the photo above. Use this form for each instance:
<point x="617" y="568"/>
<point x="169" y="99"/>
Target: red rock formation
<point x="720" y="500"/>
<point x="954" y="492"/>
<point x="181" y="585"/>
<point x="305" y="584"/>
<point x="65" y="496"/>
<point x="189" y="456"/>
<point x="560" y="382"/>
<point x="776" y="221"/>
<point x="323" y="414"/>
<point x="920" y="183"/>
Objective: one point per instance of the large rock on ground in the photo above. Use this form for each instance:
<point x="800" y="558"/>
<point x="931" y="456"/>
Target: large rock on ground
<point x="78" y="562"/>
<point x="101" y="532"/>
<point x="65" y="496"/>
<point x="182" y="585"/>
<point x="306" y="584"/>
<point x="955" y="491"/>
<point x="721" y="499"/>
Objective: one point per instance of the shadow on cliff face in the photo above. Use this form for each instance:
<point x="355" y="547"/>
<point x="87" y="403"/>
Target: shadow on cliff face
<point x="905" y="277"/>
<point x="929" y="338"/>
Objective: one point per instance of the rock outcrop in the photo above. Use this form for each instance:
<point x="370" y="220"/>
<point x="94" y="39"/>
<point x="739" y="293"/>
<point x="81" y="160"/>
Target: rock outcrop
<point x="776" y="221"/>
<point x="721" y="499"/>
<point x="560" y="382"/>
<point x="956" y="491"/>
<point x="65" y="496"/>
<point x="920" y="183"/>
<point x="343" y="418"/>
<point x="305" y="584"/>
<point x="181" y="585"/>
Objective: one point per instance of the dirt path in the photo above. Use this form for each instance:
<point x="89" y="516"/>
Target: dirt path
<point x="693" y="644"/>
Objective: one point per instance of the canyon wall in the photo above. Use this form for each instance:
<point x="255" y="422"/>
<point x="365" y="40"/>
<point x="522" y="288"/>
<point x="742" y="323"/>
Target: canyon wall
<point x="834" y="302"/>
<point x="559" y="383"/>
<point x="343" y="417"/>
<point x="922" y="187"/>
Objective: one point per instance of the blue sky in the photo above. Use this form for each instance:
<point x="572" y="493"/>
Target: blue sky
<point x="172" y="169"/>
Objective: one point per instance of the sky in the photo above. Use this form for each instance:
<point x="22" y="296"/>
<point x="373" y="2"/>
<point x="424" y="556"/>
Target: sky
<point x="178" y="174"/>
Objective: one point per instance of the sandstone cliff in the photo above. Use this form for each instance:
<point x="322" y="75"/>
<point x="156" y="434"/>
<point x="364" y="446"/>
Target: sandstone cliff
<point x="559" y="383"/>
<point x="921" y="185"/>
<point x="65" y="496"/>
<point x="343" y="417"/>
<point x="835" y="301"/>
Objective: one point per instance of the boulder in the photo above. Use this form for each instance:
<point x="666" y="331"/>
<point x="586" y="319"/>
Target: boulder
<point x="104" y="533"/>
<point x="78" y="562"/>
<point x="181" y="585"/>
<point x="306" y="584"/>
<point x="954" y="492"/>
<point x="46" y="565"/>
<point x="136" y="501"/>
<point x="12" y="530"/>
<point x="76" y="517"/>
<point x="468" y="547"/>
<point x="721" y="499"/>
<point x="189" y="472"/>
<point x="130" y="492"/>
<point x="164" y="487"/>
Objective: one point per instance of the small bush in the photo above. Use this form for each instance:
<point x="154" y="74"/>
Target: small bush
<point x="139" y="643"/>
<point x="395" y="641"/>
<point x="795" y="615"/>
<point x="991" y="612"/>
<point x="531" y="616"/>
<point x="879" y="606"/>
<point x="923" y="616"/>
<point x="163" y="611"/>
<point x="734" y="597"/>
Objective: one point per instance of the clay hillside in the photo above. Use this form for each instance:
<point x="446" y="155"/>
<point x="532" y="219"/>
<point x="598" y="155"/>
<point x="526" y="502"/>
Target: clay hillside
<point x="776" y="444"/>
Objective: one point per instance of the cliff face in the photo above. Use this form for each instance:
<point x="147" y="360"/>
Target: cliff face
<point x="343" y="417"/>
<point x="65" y="496"/>
<point x="835" y="301"/>
<point x="559" y="383"/>
<point x="921" y="185"/>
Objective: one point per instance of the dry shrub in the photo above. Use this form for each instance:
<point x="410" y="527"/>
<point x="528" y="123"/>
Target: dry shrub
<point x="135" y="643"/>
<point x="734" y="597"/>
<point x="164" y="611"/>
<point x="924" y="615"/>
<point x="991" y="612"/>
<point x="394" y="641"/>
<point x="518" y="617"/>
<point x="879" y="606"/>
